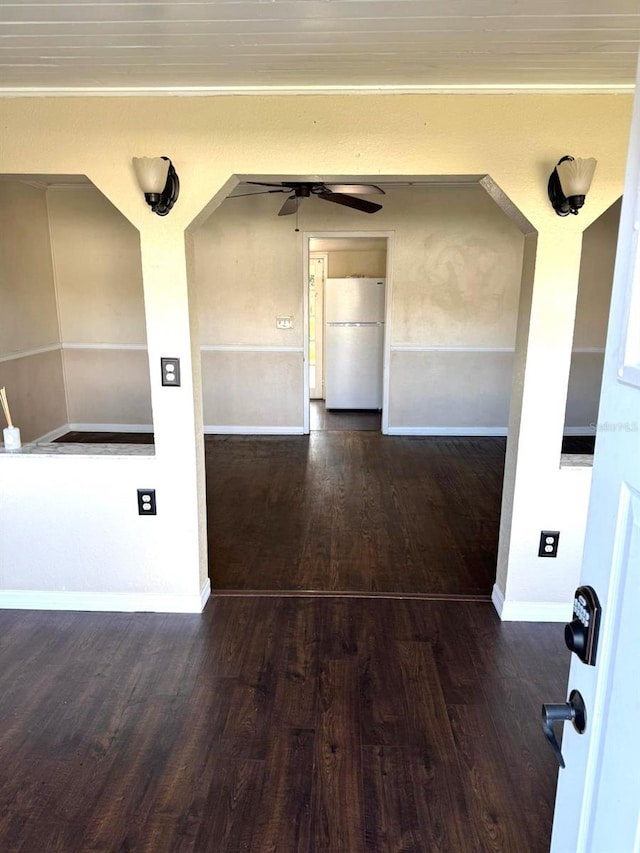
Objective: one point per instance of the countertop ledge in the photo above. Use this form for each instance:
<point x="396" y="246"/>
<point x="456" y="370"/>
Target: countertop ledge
<point x="73" y="449"/>
<point x="576" y="460"/>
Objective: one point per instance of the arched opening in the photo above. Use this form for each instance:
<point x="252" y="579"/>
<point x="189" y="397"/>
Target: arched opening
<point x="74" y="356"/>
<point x="433" y="530"/>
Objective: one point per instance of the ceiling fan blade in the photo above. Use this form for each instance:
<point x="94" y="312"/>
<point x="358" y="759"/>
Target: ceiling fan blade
<point x="351" y="201"/>
<point x="281" y="187"/>
<point x="235" y="194"/>
<point x="290" y="206"/>
<point x="355" y="189"/>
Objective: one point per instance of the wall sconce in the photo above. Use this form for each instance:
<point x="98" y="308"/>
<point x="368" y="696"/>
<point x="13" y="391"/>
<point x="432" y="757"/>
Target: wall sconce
<point x="158" y="181"/>
<point x="569" y="183"/>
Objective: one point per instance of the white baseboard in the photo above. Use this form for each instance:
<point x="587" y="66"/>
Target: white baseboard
<point x="110" y="427"/>
<point x="119" y="602"/>
<point x="205" y="593"/>
<point x="530" y="611"/>
<point x="51" y="436"/>
<point x="452" y="431"/>
<point x="253" y="430"/>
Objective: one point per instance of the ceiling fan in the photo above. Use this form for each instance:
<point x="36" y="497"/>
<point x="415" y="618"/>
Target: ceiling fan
<point x="346" y="194"/>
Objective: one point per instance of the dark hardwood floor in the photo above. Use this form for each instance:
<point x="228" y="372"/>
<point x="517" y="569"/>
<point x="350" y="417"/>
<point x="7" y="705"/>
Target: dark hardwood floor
<point x="354" y="511"/>
<point x="321" y="418"/>
<point x="347" y="509"/>
<point x="277" y="724"/>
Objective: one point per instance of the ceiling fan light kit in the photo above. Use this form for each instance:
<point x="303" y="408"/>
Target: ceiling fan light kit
<point x="344" y="194"/>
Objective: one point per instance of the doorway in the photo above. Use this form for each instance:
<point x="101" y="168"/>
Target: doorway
<point x="346" y="291"/>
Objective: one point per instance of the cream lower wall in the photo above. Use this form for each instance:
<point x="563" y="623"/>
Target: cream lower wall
<point x="35" y="388"/>
<point x="85" y="535"/>
<point x="583" y="393"/>
<point x="446" y="390"/>
<point x="108" y="386"/>
<point x="544" y="590"/>
<point x="255" y="390"/>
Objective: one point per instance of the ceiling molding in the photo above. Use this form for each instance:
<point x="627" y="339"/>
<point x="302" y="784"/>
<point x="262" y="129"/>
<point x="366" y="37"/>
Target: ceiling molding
<point x="221" y="91"/>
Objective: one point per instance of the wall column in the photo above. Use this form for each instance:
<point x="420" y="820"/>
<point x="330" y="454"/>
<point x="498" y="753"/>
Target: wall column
<point x="535" y="496"/>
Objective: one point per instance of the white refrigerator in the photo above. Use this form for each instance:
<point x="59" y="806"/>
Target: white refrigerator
<point x="354" y="342"/>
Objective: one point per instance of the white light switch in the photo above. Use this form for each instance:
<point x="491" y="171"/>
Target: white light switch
<point x="284" y="322"/>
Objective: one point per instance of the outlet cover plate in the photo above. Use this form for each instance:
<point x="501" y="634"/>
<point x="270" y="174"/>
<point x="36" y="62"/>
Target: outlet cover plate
<point x="170" y="371"/>
<point x="146" y="502"/>
<point x="549" y="543"/>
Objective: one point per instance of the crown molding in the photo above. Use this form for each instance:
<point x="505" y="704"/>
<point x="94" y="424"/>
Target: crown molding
<point x="219" y="91"/>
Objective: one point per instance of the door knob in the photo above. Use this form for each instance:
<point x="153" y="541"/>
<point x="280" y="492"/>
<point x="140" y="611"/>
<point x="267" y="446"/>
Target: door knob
<point x="574" y="710"/>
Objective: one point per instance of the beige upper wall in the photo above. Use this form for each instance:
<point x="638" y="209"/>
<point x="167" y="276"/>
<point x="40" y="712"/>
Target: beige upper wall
<point x="515" y="138"/>
<point x="248" y="270"/>
<point x="98" y="269"/>
<point x="28" y="315"/>
<point x="456" y="267"/>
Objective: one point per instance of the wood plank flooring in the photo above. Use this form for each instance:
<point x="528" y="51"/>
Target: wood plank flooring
<point x="277" y="724"/>
<point x="354" y="511"/>
<point x="321" y="418"/>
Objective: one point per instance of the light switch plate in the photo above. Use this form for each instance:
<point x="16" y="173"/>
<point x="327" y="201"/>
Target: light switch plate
<point x="170" y="371"/>
<point x="284" y="322"/>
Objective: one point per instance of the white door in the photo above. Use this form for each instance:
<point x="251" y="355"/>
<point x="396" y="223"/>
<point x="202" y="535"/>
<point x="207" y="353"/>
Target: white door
<point x="598" y="799"/>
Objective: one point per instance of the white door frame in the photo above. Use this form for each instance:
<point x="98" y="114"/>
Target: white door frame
<point x="389" y="236"/>
<point x="325" y="267"/>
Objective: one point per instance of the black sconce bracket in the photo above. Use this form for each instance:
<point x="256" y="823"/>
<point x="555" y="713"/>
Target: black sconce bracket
<point x="562" y="205"/>
<point x="161" y="203"/>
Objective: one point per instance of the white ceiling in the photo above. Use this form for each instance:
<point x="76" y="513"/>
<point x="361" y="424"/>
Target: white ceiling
<point x="317" y="44"/>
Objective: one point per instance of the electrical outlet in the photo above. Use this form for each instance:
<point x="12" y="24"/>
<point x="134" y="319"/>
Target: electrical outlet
<point x="548" y="543"/>
<point x="284" y="322"/>
<point x="170" y="371"/>
<point x="146" y="502"/>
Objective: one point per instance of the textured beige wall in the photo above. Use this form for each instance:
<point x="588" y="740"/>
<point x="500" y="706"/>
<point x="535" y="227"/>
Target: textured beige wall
<point x="248" y="265"/>
<point x="456" y="276"/>
<point x="28" y="316"/>
<point x="35" y="388"/>
<point x="98" y="269"/>
<point x="106" y="386"/>
<point x="457" y="269"/>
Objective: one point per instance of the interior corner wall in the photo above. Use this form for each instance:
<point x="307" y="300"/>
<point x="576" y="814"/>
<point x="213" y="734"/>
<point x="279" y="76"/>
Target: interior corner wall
<point x="456" y="276"/>
<point x="98" y="271"/>
<point x="30" y="356"/>
<point x="590" y="329"/>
